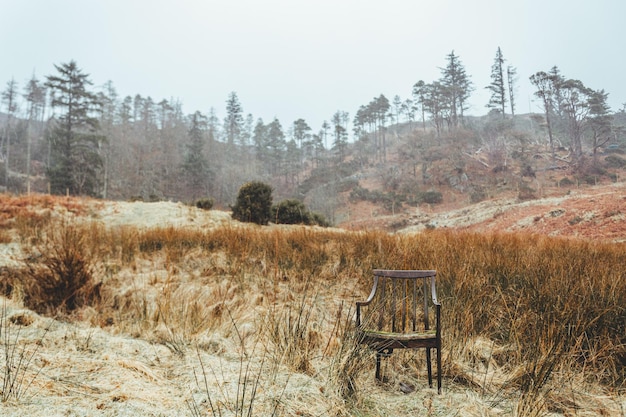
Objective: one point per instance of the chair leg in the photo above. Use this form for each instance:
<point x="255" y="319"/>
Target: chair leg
<point x="385" y="352"/>
<point x="439" y="370"/>
<point x="429" y="367"/>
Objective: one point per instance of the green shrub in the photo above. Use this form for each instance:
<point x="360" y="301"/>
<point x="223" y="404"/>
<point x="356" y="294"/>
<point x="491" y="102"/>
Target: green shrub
<point x="254" y="203"/>
<point x="431" y="197"/>
<point x="319" y="219"/>
<point x="359" y="193"/>
<point x="528" y="171"/>
<point x="290" y="211"/>
<point x="204" y="203"/>
<point x="478" y="194"/>
<point x="614" y="161"/>
<point x="392" y="201"/>
<point x="526" y="192"/>
<point x="589" y="179"/>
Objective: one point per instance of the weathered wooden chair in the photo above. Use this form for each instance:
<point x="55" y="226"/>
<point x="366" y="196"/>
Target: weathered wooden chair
<point x="398" y="315"/>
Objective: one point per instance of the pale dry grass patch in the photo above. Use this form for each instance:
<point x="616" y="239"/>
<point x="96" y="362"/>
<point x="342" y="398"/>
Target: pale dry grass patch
<point x="19" y="353"/>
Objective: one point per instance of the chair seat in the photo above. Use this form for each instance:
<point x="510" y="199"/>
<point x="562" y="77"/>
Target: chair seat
<point x="389" y="341"/>
<point x="428" y="334"/>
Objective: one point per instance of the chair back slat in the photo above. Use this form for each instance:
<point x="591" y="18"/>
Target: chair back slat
<point x="414" y="313"/>
<point x="381" y="306"/>
<point x="403" y="314"/>
<point x="426" y="297"/>
<point x="394" y="312"/>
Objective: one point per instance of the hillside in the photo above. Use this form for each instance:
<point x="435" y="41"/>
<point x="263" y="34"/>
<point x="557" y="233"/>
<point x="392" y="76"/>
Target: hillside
<point x="503" y="186"/>
<point x="593" y="212"/>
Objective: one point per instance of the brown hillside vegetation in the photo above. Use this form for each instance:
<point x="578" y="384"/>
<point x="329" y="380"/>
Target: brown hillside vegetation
<point x="161" y="309"/>
<point x="597" y="213"/>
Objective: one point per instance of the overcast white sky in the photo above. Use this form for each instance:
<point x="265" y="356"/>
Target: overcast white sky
<point x="307" y="59"/>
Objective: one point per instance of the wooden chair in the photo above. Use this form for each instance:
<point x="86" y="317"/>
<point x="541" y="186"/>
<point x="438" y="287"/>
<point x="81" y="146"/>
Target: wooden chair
<point x="398" y="314"/>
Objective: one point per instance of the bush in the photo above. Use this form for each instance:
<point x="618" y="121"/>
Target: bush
<point x="290" y="211"/>
<point x="431" y="197"/>
<point x="589" y="179"/>
<point x="59" y="275"/>
<point x="614" y="161"/>
<point x="528" y="171"/>
<point x="478" y="194"/>
<point x="254" y="203"/>
<point x="204" y="203"/>
<point x="359" y="193"/>
<point x="526" y="192"/>
<point x="319" y="220"/>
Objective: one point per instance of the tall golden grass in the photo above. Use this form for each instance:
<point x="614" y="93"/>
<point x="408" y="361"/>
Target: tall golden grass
<point x="546" y="305"/>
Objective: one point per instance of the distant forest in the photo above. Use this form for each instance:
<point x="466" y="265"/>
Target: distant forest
<point x="61" y="135"/>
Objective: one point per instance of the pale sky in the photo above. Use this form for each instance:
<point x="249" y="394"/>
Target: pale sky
<point x="307" y="59"/>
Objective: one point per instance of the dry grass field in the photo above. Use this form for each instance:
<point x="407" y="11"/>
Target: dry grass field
<point x="159" y="309"/>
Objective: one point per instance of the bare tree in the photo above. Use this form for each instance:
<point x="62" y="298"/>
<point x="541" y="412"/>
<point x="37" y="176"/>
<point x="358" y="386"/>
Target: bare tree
<point x="35" y="95"/>
<point x="511" y="76"/>
<point x="9" y="98"/>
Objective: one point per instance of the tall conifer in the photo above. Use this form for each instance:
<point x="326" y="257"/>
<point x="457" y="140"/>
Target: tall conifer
<point x="75" y="159"/>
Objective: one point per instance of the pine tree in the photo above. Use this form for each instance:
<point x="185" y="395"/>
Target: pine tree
<point x="108" y="102"/>
<point x="575" y="105"/>
<point x="379" y="108"/>
<point x="301" y="135"/>
<point x="419" y="94"/>
<point x="457" y="87"/>
<point x="195" y="165"/>
<point x="275" y="145"/>
<point x="75" y="160"/>
<point x="545" y="91"/>
<point x="408" y="110"/>
<point x="340" y="142"/>
<point x="437" y="103"/>
<point x="301" y="132"/>
<point x="497" y="87"/>
<point x="397" y="108"/>
<point x="233" y="123"/>
<point x="259" y="137"/>
<point x="600" y="121"/>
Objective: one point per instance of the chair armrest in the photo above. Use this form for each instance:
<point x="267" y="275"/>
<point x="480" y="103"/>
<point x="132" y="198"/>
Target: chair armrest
<point x="438" y="321"/>
<point x="360" y="304"/>
<point x="371" y="296"/>
<point x="433" y="292"/>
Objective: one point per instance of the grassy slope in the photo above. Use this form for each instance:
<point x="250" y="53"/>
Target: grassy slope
<point x="267" y="312"/>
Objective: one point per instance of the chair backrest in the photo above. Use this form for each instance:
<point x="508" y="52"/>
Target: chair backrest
<point x="401" y="300"/>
